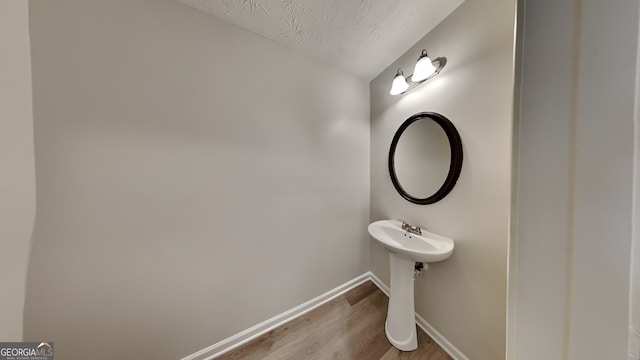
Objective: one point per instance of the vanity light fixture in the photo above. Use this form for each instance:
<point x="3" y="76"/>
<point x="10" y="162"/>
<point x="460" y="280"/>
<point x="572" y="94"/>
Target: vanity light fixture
<point x="425" y="69"/>
<point x="399" y="84"/>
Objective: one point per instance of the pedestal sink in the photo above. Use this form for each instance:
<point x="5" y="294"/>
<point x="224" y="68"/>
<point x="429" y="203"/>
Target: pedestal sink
<point x="405" y="249"/>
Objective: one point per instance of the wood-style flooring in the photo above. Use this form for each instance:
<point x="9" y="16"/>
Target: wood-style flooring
<point x="350" y="327"/>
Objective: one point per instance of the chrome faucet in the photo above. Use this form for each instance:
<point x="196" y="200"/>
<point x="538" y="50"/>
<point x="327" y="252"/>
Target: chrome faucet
<point x="411" y="229"/>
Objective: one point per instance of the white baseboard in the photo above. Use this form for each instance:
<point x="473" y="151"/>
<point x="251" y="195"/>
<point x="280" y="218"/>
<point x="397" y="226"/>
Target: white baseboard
<point x="247" y="335"/>
<point x="382" y="286"/>
<point x="445" y="344"/>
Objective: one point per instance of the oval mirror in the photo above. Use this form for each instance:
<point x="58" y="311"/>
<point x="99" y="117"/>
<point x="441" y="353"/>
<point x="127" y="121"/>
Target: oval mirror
<point x="425" y="158"/>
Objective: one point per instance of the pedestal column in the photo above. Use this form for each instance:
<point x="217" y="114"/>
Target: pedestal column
<point x="400" y="326"/>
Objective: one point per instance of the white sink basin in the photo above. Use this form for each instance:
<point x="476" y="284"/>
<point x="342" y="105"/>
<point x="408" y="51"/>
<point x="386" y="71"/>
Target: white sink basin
<point x="428" y="247"/>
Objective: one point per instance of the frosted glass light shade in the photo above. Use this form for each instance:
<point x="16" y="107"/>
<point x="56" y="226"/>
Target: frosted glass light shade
<point x="399" y="84"/>
<point x="424" y="68"/>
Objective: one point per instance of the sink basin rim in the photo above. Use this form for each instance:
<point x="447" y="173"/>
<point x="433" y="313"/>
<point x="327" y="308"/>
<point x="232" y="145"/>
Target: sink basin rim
<point x="442" y="246"/>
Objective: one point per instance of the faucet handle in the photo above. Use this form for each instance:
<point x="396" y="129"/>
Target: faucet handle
<point x="405" y="226"/>
<point x="410" y="228"/>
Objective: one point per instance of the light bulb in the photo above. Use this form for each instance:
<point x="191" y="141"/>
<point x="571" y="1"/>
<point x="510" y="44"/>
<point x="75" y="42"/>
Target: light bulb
<point x="424" y="68"/>
<point x="399" y="84"/>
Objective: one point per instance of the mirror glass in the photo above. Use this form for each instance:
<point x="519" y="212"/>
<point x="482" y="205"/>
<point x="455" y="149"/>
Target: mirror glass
<point x="425" y="158"/>
<point x="422" y="158"/>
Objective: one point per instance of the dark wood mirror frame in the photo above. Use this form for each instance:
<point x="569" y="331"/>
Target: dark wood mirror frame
<point x="454" y="167"/>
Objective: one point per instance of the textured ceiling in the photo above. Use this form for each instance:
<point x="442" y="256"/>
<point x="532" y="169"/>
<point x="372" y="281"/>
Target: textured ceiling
<point x="361" y="37"/>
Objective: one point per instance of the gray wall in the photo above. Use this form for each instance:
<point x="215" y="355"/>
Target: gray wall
<point x="571" y="254"/>
<point x="17" y="171"/>
<point x="464" y="297"/>
<point x="194" y="179"/>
